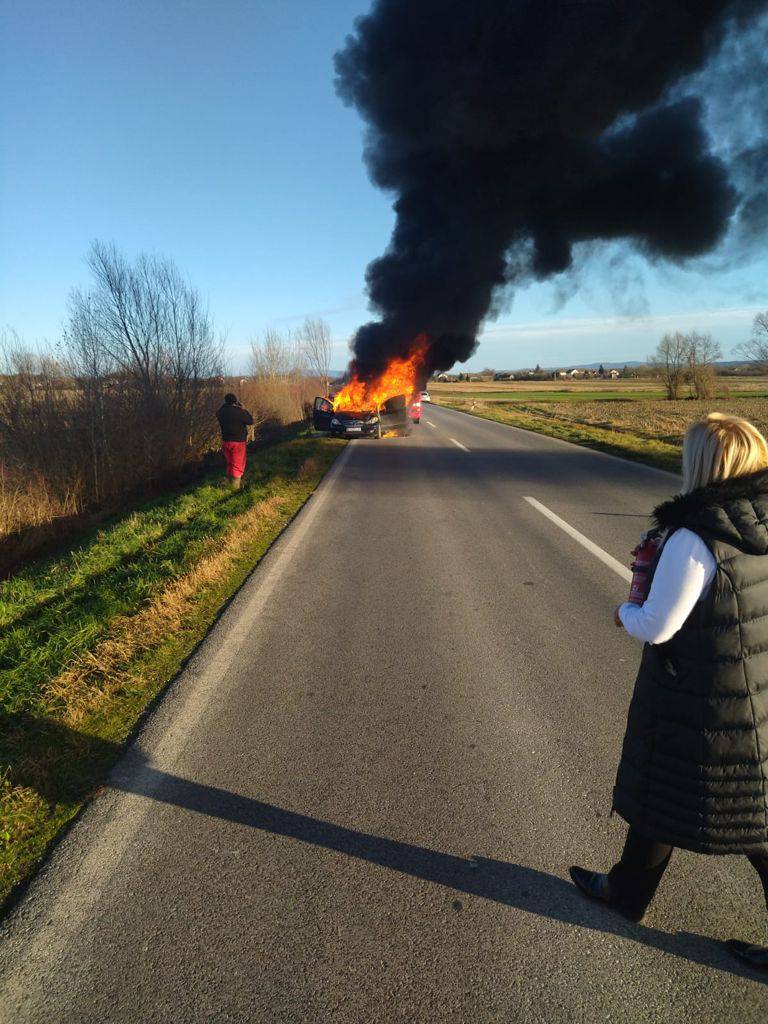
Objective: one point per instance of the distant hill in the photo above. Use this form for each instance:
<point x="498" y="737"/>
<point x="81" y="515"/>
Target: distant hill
<point x="619" y="366"/>
<point x="608" y="366"/>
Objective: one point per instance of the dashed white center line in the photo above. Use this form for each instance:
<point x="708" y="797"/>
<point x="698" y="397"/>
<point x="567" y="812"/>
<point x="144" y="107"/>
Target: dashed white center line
<point x="605" y="558"/>
<point x="430" y="424"/>
<point x="459" y="444"/>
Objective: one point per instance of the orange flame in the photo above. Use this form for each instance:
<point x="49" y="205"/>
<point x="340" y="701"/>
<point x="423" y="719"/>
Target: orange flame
<point x="399" y="378"/>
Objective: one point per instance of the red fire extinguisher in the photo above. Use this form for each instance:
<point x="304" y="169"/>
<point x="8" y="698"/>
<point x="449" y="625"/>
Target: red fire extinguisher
<point x="644" y="554"/>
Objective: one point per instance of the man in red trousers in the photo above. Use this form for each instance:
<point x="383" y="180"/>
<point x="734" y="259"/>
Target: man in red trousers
<point x="234" y="421"/>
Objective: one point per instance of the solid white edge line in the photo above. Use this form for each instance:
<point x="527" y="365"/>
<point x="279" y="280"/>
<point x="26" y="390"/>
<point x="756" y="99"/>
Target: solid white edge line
<point x="605" y="558"/>
<point x="459" y="444"/>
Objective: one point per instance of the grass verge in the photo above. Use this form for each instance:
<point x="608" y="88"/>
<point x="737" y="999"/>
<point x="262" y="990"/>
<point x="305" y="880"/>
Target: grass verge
<point x="627" y="445"/>
<point x="90" y="637"/>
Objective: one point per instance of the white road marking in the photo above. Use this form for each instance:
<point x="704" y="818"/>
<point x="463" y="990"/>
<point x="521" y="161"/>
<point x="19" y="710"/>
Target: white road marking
<point x="459" y="444"/>
<point x="605" y="558"/>
<point x="430" y="423"/>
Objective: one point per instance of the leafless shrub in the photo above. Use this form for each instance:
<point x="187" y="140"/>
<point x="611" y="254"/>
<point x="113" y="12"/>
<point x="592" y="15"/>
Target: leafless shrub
<point x="130" y="395"/>
<point x="140" y="342"/>
<point x="315" y="340"/>
<point x="703" y="351"/>
<point x="279" y="378"/>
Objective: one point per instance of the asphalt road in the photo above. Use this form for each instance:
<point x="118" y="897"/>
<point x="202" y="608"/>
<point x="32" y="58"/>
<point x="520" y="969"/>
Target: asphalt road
<point x="360" y="800"/>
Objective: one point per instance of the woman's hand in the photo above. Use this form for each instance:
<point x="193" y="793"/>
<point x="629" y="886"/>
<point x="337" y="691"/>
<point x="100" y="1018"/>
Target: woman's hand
<point x="617" y="621"/>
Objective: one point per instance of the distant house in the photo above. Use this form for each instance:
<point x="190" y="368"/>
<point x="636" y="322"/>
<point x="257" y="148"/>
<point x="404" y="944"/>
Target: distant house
<point x="613" y="374"/>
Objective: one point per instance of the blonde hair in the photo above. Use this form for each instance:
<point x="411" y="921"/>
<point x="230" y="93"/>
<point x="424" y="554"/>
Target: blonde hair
<point x="719" y="447"/>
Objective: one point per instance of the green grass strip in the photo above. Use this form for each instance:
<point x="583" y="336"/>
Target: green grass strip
<point x="59" y="612"/>
<point x="626" y="445"/>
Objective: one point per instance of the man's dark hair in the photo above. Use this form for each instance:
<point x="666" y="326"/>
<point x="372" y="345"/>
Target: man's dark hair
<point x="230" y="399"/>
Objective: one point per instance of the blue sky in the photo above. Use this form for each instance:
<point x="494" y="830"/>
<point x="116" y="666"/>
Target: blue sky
<point x="211" y="133"/>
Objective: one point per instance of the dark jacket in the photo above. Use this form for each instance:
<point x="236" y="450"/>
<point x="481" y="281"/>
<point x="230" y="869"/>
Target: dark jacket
<point x="234" y="422"/>
<point x="694" y="767"/>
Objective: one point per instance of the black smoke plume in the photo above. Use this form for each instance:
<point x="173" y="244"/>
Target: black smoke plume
<point x="509" y="131"/>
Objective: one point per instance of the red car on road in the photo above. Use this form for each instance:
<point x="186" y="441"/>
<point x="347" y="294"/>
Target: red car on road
<point x="414" y="410"/>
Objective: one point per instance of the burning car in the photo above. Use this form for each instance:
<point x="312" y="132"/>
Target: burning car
<point x="380" y="405"/>
<point x="391" y="417"/>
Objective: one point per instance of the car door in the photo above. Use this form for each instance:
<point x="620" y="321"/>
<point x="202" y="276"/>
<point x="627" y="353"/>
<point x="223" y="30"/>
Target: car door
<point x="322" y="414"/>
<point x="394" y="415"/>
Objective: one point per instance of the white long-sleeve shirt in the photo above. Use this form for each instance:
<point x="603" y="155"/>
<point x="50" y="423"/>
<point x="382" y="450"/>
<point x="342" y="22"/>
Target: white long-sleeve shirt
<point x="683" y="577"/>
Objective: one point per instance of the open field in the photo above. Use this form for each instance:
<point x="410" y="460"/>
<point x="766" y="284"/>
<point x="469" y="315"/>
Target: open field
<point x="632" y="390"/>
<point x="91" y="636"/>
<point x="616" y="419"/>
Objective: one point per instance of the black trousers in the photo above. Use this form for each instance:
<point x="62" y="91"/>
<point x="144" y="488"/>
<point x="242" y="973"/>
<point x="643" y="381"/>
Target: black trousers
<point x="636" y="877"/>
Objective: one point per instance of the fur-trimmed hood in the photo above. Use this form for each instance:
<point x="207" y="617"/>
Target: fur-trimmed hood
<point x="733" y="510"/>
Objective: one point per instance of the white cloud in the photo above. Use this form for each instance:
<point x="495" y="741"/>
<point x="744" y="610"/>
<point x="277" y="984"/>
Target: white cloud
<point x="590" y="326"/>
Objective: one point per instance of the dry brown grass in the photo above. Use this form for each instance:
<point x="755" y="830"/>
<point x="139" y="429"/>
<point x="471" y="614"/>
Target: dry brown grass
<point x="655" y="420"/>
<point x="639" y="386"/>
<point x="99" y="674"/>
<point x="30" y="501"/>
<point x="47" y="485"/>
<point x="646" y="430"/>
<point x="20" y="810"/>
<point x="514" y="386"/>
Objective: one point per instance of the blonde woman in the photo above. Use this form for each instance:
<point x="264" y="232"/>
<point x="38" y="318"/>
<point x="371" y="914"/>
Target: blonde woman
<point x="694" y="766"/>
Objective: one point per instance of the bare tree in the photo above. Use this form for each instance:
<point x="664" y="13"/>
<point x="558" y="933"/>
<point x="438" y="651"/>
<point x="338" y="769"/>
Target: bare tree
<point x="277" y="366"/>
<point x="756" y="349"/>
<point x="275" y="356"/>
<point x="703" y="351"/>
<point x="129" y="395"/>
<point x="670" y="362"/>
<point x="316" y="344"/>
<point x="141" y="342"/>
<point x="148" y="322"/>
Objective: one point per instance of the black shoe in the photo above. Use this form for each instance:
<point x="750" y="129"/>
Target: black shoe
<point x="755" y="956"/>
<point x="598" y="887"/>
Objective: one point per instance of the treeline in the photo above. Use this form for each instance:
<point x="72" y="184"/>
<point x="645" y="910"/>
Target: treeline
<point x="129" y="393"/>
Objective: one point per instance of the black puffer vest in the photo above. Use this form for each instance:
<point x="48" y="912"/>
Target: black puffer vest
<point x="694" y="767"/>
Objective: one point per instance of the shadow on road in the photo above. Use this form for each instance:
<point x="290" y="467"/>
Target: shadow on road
<point x="537" y="892"/>
<point x="513" y="885"/>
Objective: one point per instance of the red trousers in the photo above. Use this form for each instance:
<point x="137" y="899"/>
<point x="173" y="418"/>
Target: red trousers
<point x="234" y="456"/>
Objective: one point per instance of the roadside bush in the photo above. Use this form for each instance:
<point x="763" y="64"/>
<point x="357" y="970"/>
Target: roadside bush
<point x="279" y="383"/>
<point x="129" y="397"/>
